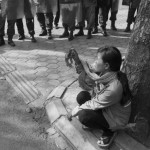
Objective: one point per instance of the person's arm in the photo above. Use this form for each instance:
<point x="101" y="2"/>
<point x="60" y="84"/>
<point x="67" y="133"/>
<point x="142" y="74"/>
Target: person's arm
<point x="110" y="96"/>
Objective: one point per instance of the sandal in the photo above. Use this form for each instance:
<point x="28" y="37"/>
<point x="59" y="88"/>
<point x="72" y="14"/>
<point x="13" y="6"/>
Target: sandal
<point x="106" y="141"/>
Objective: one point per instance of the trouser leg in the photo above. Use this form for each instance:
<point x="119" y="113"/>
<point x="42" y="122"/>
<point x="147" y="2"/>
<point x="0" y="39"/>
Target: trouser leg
<point x="41" y="20"/>
<point x="11" y="31"/>
<point x="2" y="25"/>
<point x="49" y="23"/>
<point x="57" y="17"/>
<point x="20" y="27"/>
<point x="30" y="25"/>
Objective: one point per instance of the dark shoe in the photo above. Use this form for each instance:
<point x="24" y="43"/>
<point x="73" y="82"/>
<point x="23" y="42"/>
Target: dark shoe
<point x="33" y="39"/>
<point x="50" y="37"/>
<point x="11" y="43"/>
<point x="127" y="29"/>
<point x="113" y="28"/>
<point x="43" y="33"/>
<point x="65" y="34"/>
<point x="89" y="35"/>
<point x="95" y="31"/>
<point x="80" y="33"/>
<point x="2" y="42"/>
<point x="56" y="27"/>
<point x="103" y="31"/>
<point x="70" y="38"/>
<point x="77" y="26"/>
<point x="21" y="37"/>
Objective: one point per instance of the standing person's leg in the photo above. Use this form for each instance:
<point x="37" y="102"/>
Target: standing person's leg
<point x="30" y="26"/>
<point x="57" y="17"/>
<point x="41" y="20"/>
<point x="49" y="24"/>
<point x="66" y="32"/>
<point x="71" y="22"/>
<point x="130" y="18"/>
<point x="11" y="31"/>
<point x="103" y="17"/>
<point x="113" y="19"/>
<point x="2" y="30"/>
<point x="96" y="20"/>
<point x="19" y="24"/>
<point x="90" y="19"/>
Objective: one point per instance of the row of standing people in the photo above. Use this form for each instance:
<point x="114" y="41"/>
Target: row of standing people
<point x="95" y="12"/>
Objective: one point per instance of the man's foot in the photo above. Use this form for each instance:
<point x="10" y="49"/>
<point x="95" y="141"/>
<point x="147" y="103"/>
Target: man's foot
<point x="95" y="31"/>
<point x="50" y="37"/>
<point x="103" y="31"/>
<point x="21" y="37"/>
<point x="56" y="27"/>
<point x="113" y="28"/>
<point x="127" y="29"/>
<point x="89" y="36"/>
<point x="43" y="33"/>
<point x="11" y="43"/>
<point x="80" y="33"/>
<point x="65" y="34"/>
<point x="71" y="37"/>
<point x="2" y="42"/>
<point x="33" y="39"/>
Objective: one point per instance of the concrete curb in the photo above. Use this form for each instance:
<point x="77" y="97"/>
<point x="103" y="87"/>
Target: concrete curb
<point x="59" y="119"/>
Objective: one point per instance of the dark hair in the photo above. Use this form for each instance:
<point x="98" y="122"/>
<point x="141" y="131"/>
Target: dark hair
<point x="112" y="56"/>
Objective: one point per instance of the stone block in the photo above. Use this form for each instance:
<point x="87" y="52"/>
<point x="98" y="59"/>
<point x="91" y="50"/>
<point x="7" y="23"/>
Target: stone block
<point x="55" y="109"/>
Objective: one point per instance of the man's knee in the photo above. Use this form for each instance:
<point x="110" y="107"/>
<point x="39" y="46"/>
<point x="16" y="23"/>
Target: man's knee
<point x="83" y="116"/>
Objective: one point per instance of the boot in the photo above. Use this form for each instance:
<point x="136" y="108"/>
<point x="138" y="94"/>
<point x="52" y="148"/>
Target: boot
<point x="41" y="20"/>
<point x="113" y="27"/>
<point x="49" y="35"/>
<point x="103" y="31"/>
<point x="33" y="39"/>
<point x="95" y="31"/>
<point x="2" y="42"/>
<point x="43" y="32"/>
<point x="10" y="41"/>
<point x="89" y="35"/>
<point x="21" y="37"/>
<point x="128" y="28"/>
<point x="65" y="33"/>
<point x="70" y="38"/>
<point x="80" y="33"/>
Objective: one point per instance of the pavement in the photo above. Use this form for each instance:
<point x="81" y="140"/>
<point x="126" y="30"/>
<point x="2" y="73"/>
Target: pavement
<point x="35" y="69"/>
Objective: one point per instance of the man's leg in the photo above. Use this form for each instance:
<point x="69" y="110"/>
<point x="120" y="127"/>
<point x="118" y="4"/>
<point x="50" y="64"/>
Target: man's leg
<point x="90" y="19"/>
<point x="103" y="17"/>
<point x="130" y="18"/>
<point x="2" y="30"/>
<point x="30" y="26"/>
<point x="113" y="20"/>
<point x="41" y="20"/>
<point x="11" y="31"/>
<point x="49" y="24"/>
<point x="96" y="20"/>
<point x="57" y="17"/>
<point x="20" y="28"/>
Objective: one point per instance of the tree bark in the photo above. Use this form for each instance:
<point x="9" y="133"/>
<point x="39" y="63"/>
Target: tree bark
<point x="137" y="68"/>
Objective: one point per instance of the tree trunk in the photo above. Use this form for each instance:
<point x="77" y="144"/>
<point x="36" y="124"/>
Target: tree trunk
<point x="137" y="68"/>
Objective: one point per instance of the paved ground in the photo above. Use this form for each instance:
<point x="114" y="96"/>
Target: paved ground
<point x="43" y="64"/>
